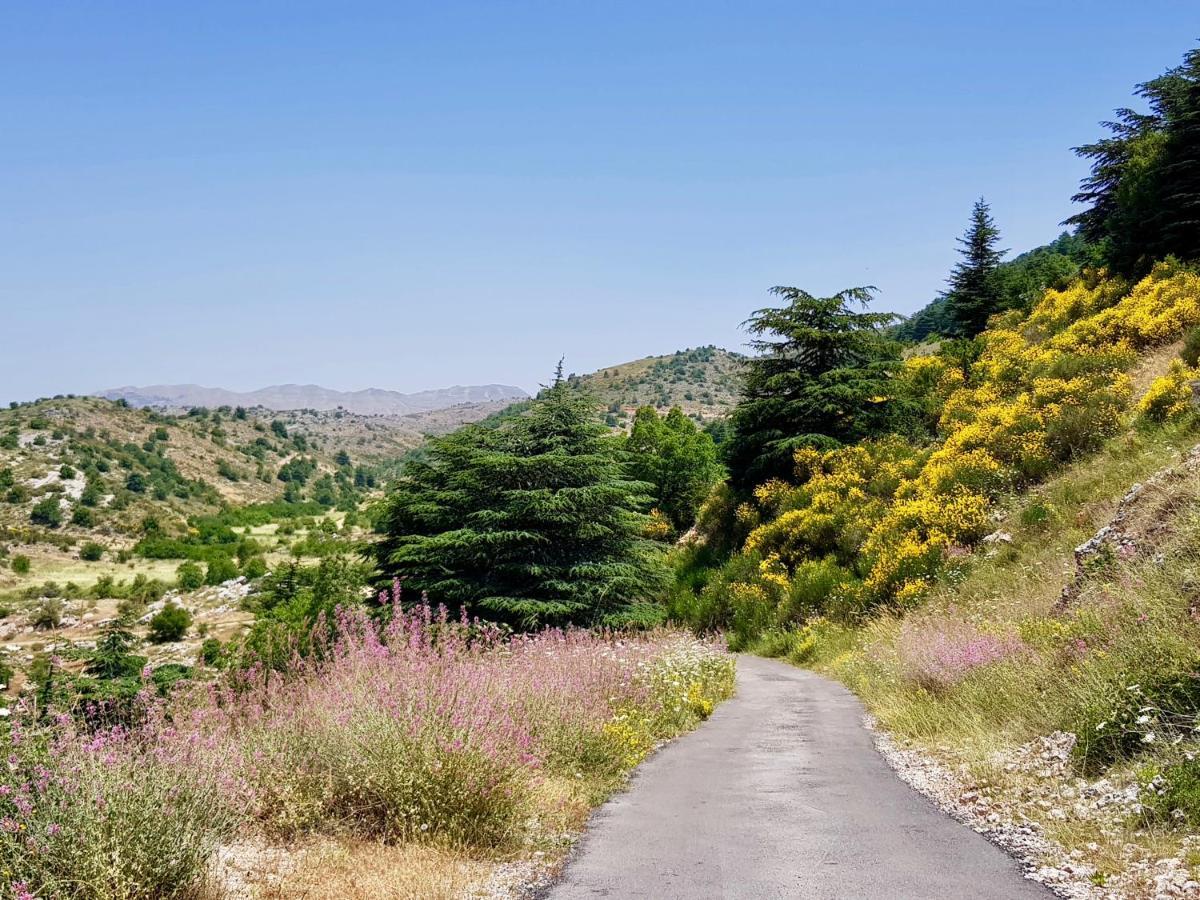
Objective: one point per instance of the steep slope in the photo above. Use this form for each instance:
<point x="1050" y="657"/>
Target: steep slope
<point x="1015" y="597"/>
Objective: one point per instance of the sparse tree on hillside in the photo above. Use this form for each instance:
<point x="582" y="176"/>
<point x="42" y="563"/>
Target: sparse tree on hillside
<point x="531" y="522"/>
<point x="974" y="292"/>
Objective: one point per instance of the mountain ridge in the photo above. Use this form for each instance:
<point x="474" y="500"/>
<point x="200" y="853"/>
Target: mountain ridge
<point x="281" y="397"/>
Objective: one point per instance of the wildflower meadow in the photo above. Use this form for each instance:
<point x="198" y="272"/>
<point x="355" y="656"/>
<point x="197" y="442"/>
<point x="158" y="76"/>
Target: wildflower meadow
<point x="404" y="727"/>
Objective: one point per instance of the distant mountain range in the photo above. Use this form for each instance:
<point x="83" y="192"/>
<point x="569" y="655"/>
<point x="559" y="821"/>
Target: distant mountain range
<point x="369" y="402"/>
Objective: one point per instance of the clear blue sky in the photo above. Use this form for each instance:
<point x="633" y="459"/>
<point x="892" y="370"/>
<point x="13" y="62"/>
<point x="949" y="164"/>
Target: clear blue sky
<point x="411" y="195"/>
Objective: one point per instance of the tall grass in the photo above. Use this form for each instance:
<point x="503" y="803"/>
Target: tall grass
<point x="1034" y="667"/>
<point x="421" y="729"/>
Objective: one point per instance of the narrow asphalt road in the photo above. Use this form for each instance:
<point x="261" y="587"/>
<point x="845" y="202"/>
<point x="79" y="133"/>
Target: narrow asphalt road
<point x="781" y="794"/>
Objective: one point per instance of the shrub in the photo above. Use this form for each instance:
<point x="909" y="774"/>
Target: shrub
<point x="189" y="576"/>
<point x="91" y="551"/>
<point x="423" y="729"/>
<point x="47" y="512"/>
<point x="220" y="569"/>
<point x="255" y="567"/>
<point x="83" y="517"/>
<point x="47" y="614"/>
<point x="169" y="624"/>
<point x="1169" y="397"/>
<point x="20" y="564"/>
<point x="1191" y="348"/>
<point x="212" y="652"/>
<point x="556" y="703"/>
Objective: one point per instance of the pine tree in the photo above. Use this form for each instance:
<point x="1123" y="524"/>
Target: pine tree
<point x="975" y="291"/>
<point x="1143" y="192"/>
<point x="531" y="522"/>
<point x="823" y="378"/>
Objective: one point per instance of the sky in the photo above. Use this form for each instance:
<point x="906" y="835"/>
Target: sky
<point x="413" y="195"/>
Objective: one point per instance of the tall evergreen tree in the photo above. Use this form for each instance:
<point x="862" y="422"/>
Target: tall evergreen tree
<point x="1143" y="192"/>
<point x="821" y="377"/>
<point x="533" y="521"/>
<point x="974" y="291"/>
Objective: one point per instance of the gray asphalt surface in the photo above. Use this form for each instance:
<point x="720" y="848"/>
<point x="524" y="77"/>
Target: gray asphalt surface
<point x="781" y="794"/>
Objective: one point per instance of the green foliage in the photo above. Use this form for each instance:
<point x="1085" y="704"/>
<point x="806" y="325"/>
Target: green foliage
<point x="220" y="569"/>
<point x="113" y="657"/>
<point x="92" y="493"/>
<point x="47" y="614"/>
<point x="822" y="377"/>
<point x="1143" y="191"/>
<point x="212" y="653"/>
<point x="534" y="521"/>
<point x="47" y="511"/>
<point x="681" y="462"/>
<point x="974" y="290"/>
<point x="83" y="517"/>
<point x="227" y="471"/>
<point x="257" y="514"/>
<point x="293" y="598"/>
<point x="1191" y="348"/>
<point x="255" y="567"/>
<point x="91" y="551"/>
<point x="20" y="564"/>
<point x="1019" y="281"/>
<point x="297" y="470"/>
<point x="1172" y="795"/>
<point x="169" y="624"/>
<point x="189" y="576"/>
<point x="18" y="493"/>
<point x="1160" y="686"/>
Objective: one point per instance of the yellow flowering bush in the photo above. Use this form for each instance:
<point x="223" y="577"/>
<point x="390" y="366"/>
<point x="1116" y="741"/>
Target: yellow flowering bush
<point x="1171" y="396"/>
<point x="1158" y="310"/>
<point x="1040" y="392"/>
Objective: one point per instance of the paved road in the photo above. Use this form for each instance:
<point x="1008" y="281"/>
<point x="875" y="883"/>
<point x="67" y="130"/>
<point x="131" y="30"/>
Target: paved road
<point x="781" y="794"/>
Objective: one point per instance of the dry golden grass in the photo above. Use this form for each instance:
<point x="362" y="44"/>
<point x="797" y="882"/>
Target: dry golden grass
<point x="347" y="870"/>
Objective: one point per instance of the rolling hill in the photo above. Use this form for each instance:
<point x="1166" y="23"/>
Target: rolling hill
<point x="703" y="382"/>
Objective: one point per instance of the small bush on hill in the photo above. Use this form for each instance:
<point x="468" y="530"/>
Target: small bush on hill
<point x="47" y="614"/>
<point x="170" y="624"/>
<point x="47" y="512"/>
<point x="189" y="576"/>
<point x="220" y="569"/>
